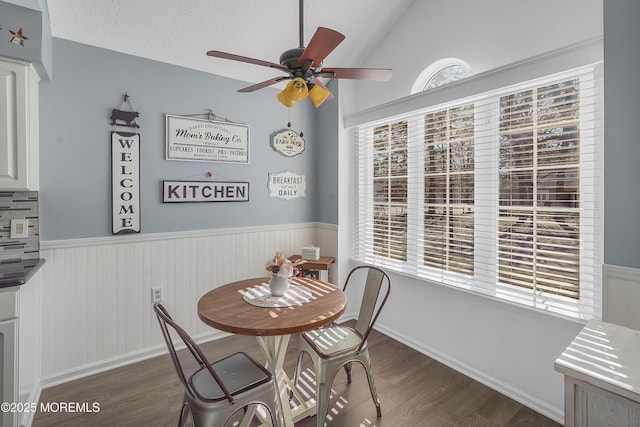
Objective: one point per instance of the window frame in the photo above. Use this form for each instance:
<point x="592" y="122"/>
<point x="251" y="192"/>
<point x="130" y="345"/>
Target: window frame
<point x="485" y="250"/>
<point x="429" y="73"/>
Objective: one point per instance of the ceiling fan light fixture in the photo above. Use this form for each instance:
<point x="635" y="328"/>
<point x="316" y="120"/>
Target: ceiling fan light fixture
<point x="304" y="65"/>
<point x="296" y="89"/>
<point x="318" y="95"/>
<point x="285" y="100"/>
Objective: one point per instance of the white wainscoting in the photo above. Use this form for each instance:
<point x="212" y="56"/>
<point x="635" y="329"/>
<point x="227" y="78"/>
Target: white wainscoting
<point x="96" y="295"/>
<point x="621" y="294"/>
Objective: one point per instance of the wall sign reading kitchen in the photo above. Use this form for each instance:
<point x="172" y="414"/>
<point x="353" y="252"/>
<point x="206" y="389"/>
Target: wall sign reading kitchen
<point x="287" y="185"/>
<point x="206" y="140"/>
<point x="204" y="191"/>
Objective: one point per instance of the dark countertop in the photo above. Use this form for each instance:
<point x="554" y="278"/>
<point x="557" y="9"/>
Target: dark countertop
<point x="18" y="272"/>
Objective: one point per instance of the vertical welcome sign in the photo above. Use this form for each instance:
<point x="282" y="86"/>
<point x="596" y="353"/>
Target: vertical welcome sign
<point x="125" y="185"/>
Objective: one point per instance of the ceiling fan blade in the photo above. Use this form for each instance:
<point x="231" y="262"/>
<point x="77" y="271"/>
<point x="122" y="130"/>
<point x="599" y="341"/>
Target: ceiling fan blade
<point x="234" y="57"/>
<point x="263" y="84"/>
<point x="317" y="81"/>
<point x="378" y="74"/>
<point x="322" y="44"/>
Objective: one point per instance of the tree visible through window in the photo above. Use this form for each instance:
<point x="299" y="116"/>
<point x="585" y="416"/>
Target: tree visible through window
<point x="442" y="72"/>
<point x="449" y="189"/>
<point x="390" y="190"/>
<point x="539" y="189"/>
<point x="447" y="75"/>
<point x="497" y="192"/>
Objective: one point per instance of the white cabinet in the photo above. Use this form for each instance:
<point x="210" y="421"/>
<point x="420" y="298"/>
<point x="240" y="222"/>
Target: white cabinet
<point x="602" y="377"/>
<point x="29" y="346"/>
<point x="19" y="127"/>
<point x="8" y="352"/>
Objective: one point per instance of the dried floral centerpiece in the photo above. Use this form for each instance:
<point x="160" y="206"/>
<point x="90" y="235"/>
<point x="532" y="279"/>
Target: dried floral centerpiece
<point x="281" y="269"/>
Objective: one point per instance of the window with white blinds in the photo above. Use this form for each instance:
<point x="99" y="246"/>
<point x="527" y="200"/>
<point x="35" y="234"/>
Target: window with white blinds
<point x="390" y="176"/>
<point x="496" y="193"/>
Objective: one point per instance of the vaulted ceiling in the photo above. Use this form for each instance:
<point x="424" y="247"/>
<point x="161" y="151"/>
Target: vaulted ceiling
<point x="182" y="31"/>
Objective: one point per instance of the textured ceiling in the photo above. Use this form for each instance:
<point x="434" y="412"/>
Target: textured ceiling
<point x="182" y="31"/>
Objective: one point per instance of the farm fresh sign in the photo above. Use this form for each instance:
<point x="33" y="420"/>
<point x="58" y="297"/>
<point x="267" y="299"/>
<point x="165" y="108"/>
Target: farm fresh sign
<point x="206" y="140"/>
<point x="287" y="142"/>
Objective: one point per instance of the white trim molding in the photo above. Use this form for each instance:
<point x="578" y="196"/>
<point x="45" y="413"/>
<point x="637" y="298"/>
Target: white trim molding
<point x="150" y="237"/>
<point x="570" y="57"/>
<point x="621" y="285"/>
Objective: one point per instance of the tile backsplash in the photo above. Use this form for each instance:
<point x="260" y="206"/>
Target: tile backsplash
<point x="19" y="205"/>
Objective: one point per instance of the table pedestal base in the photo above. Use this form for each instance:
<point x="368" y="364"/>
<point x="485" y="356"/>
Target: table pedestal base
<point x="275" y="349"/>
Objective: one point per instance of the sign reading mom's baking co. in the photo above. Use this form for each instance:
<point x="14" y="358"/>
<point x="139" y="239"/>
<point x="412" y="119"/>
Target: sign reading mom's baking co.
<point x="206" y="140"/>
<point x="204" y="191"/>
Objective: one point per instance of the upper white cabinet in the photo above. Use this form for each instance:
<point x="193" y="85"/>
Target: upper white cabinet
<point x="19" y="129"/>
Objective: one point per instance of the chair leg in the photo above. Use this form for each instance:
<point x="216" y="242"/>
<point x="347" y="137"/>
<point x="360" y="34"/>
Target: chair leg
<point x="372" y="384"/>
<point x="325" y="374"/>
<point x="347" y="369"/>
<point x="184" y="414"/>
<point x="296" y="376"/>
<point x="323" y="396"/>
<point x="274" y="411"/>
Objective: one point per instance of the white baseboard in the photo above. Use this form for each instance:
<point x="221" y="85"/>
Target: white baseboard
<point x="116" y="362"/>
<point x="556" y="414"/>
<point x="25" y="419"/>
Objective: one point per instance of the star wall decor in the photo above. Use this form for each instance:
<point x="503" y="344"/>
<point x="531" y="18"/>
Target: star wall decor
<point x="18" y="37"/>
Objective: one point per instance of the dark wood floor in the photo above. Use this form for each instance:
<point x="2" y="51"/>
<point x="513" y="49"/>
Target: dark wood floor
<point x="414" y="390"/>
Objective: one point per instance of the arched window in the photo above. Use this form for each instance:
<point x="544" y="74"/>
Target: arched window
<point x="441" y="73"/>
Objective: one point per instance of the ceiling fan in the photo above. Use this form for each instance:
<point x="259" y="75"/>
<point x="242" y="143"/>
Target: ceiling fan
<point x="304" y="66"/>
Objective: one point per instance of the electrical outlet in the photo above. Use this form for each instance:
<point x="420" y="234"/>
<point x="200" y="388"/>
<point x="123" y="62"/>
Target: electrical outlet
<point x="19" y="229"/>
<point x="156" y="294"/>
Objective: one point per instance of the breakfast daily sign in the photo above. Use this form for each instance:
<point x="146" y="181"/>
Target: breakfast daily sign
<point x="206" y="140"/>
<point x="287" y="185"/>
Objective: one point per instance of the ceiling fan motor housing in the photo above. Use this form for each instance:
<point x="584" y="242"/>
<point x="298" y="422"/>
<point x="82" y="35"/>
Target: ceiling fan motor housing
<point x="290" y="60"/>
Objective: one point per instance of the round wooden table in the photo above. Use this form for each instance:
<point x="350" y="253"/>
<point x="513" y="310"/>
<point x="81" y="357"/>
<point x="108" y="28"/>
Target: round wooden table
<point x="224" y="308"/>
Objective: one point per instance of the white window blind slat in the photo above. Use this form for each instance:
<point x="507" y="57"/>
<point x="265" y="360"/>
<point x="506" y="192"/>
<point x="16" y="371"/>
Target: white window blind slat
<point x="495" y="193"/>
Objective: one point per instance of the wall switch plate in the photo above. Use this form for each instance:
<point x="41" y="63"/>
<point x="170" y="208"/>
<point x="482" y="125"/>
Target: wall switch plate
<point x="19" y="229"/>
<point x="156" y="295"/>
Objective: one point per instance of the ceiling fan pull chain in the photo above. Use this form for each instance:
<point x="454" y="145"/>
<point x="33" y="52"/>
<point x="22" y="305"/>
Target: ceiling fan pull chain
<point x="301" y="134"/>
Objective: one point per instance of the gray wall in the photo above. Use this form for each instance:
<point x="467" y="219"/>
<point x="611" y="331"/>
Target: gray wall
<point x="327" y="158"/>
<point x="622" y="140"/>
<point x="75" y="159"/>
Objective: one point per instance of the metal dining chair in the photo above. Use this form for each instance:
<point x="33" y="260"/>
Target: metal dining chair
<point x="334" y="347"/>
<point x="216" y="391"/>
